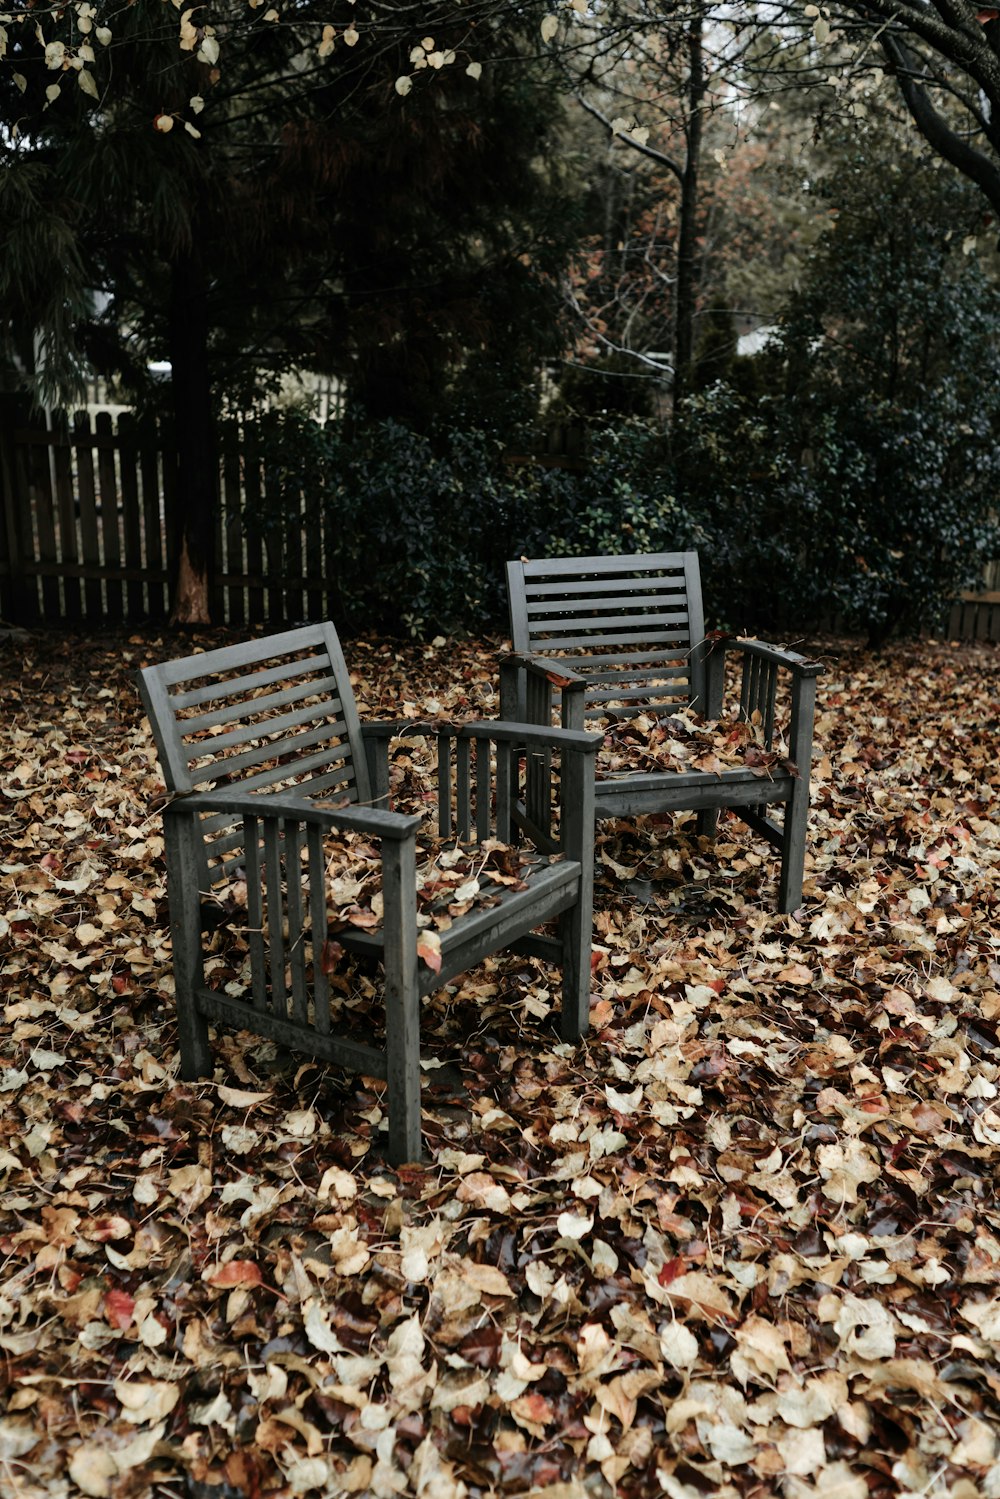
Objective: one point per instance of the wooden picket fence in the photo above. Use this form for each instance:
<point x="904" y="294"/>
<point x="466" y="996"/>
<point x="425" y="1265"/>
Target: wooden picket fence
<point x="89" y="531"/>
<point x="89" y="528"/>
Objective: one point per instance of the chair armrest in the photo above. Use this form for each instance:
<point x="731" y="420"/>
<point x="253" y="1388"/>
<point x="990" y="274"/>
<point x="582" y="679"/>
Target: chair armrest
<point x="536" y="736"/>
<point x="800" y="665"/>
<point x="371" y="820"/>
<point x="396" y="728"/>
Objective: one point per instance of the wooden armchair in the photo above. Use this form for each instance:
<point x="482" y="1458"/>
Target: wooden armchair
<point x="621" y="636"/>
<point x="253" y="740"/>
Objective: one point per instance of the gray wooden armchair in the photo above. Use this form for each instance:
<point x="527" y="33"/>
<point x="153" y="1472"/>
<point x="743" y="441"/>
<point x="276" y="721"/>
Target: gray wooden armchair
<point x="253" y="740"/>
<point x="625" y="635"/>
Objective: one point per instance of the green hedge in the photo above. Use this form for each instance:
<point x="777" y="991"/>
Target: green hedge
<point x="876" y="525"/>
<point x="418" y="528"/>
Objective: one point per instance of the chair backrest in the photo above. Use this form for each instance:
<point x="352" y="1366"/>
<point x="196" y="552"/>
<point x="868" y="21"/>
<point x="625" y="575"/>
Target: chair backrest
<point x="264" y="715"/>
<point x="634" y="626"/>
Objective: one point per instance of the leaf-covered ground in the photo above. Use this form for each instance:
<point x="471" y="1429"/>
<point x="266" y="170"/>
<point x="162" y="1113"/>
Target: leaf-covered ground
<point x="741" y="1241"/>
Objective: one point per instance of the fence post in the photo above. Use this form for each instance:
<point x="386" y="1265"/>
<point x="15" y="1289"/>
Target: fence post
<point x="15" y="594"/>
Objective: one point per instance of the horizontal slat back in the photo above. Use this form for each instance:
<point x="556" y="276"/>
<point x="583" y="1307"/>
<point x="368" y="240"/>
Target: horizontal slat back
<point x="266" y="713"/>
<point x="629" y="623"/>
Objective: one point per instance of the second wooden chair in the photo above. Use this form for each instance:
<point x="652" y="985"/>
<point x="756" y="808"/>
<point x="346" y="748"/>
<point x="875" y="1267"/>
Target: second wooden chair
<point x="594" y="636"/>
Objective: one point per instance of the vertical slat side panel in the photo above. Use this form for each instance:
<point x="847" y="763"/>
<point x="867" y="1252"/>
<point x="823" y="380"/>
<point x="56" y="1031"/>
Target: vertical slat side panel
<point x="463" y="789"/>
<point x="294" y="872"/>
<point x="504" y="790"/>
<point x="402" y="998"/>
<point x="538" y="700"/>
<point x="745" y="681"/>
<point x="445" y="824"/>
<point x="753" y="704"/>
<point x="576" y="837"/>
<point x="771" y="685"/>
<point x="255" y="911"/>
<point x="275" y="914"/>
<point x="793" y="848"/>
<point x="538" y="763"/>
<point x="110" y="522"/>
<point x="483" y="790"/>
<point x="538" y="788"/>
<point x="183" y="848"/>
<point x="318" y="924"/>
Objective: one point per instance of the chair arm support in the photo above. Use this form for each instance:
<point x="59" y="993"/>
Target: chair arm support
<point x="395" y="728"/>
<point x="372" y="820"/>
<point x="527" y="683"/>
<point x="485" y="728"/>
<point x="530" y="735"/>
<point x="762" y="661"/>
<point x="375" y="737"/>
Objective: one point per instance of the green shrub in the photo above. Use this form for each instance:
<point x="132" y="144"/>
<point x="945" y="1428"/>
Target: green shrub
<point x="417" y="529"/>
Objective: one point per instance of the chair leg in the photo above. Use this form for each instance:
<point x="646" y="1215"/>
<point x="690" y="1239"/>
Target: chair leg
<point x="402" y="1005"/>
<point x="184" y="863"/>
<point x="576" y="924"/>
<point x="708" y="821"/>
<point x="402" y="1000"/>
<point x="576" y="934"/>
<point x="793" y="848"/>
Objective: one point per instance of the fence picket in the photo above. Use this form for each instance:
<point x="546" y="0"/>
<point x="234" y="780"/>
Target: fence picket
<point x="42" y="504"/>
<point x="90" y="543"/>
<point x="235" y="606"/>
<point x="62" y="457"/>
<point x="256" y="611"/>
<point x="110" y="519"/>
<point x="131" y="515"/>
<point x="148" y="444"/>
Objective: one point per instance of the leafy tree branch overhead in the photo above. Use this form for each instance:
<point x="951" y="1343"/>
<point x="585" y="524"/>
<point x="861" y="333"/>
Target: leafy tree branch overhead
<point x="238" y="199"/>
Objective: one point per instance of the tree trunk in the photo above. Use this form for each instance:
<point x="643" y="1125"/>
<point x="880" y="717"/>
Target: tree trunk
<point x="194" y="429"/>
<point x="687" y="238"/>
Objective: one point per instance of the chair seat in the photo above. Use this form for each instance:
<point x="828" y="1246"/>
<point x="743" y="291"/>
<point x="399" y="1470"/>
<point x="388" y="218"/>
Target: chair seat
<point x="688" y="790"/>
<point x="551" y="887"/>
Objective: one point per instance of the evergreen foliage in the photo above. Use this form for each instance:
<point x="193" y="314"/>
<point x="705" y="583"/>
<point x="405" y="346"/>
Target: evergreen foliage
<point x="855" y="475"/>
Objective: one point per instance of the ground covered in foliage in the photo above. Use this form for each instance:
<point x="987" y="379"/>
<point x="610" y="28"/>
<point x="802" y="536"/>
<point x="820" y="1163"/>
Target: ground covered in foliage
<point x="744" y="1240"/>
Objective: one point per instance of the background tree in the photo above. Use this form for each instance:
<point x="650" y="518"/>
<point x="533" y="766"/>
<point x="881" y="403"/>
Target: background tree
<point x="314" y="213"/>
<point x="856" y="475"/>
